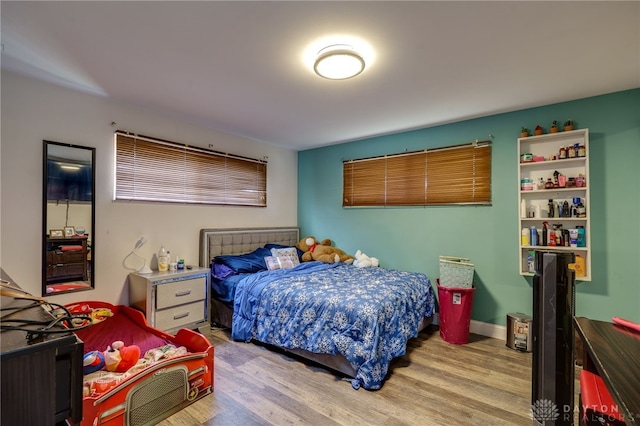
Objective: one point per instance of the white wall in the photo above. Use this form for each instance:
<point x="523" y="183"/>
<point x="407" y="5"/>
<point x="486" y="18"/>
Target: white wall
<point x="33" y="111"/>
<point x="73" y="214"/>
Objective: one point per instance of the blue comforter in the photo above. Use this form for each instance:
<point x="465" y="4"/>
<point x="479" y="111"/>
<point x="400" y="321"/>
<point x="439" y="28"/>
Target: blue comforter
<point x="365" y="314"/>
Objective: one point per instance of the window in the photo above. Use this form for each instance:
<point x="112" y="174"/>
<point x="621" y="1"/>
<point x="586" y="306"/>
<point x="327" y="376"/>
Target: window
<point x="149" y="169"/>
<point x="453" y="175"/>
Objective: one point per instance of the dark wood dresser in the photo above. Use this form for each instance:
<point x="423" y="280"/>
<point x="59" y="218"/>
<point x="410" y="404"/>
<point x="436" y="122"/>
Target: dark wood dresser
<point x="63" y="264"/>
<point x="613" y="352"/>
<point x="41" y="377"/>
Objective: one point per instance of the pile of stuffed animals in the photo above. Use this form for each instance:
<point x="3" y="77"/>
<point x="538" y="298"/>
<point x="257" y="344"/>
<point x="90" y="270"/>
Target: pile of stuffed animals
<point x="116" y="358"/>
<point x="118" y="362"/>
<point x="323" y="251"/>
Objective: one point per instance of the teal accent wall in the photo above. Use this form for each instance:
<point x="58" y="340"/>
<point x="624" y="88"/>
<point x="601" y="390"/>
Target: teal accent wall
<point x="412" y="238"/>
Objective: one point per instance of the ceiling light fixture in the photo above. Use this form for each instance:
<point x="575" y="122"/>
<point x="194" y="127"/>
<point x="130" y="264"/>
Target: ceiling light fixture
<point x="338" y="62"/>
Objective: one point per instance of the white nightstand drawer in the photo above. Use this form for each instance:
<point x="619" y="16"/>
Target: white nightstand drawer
<point x="180" y="292"/>
<point x="177" y="316"/>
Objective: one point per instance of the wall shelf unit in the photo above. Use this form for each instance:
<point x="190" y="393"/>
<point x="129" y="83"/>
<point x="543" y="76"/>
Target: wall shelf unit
<point x="536" y="201"/>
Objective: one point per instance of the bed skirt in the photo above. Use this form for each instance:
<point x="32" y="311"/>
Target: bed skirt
<point x="222" y="315"/>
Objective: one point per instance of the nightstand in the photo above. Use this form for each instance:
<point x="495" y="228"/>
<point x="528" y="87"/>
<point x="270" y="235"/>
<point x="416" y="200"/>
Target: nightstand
<point x="173" y="299"/>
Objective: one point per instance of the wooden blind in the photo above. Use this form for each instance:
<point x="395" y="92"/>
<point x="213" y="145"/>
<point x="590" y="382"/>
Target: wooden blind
<point x="155" y="170"/>
<point x="453" y="175"/>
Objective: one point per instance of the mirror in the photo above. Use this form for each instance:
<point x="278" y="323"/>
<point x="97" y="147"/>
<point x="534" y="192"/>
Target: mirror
<point x="68" y="218"/>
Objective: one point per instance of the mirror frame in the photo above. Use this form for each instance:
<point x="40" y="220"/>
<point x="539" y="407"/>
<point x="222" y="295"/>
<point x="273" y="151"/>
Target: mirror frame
<point x="45" y="232"/>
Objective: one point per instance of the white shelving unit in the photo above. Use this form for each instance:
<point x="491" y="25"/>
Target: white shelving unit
<point x="537" y="200"/>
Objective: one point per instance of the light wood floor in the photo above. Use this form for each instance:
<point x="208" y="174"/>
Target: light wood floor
<point x="435" y="383"/>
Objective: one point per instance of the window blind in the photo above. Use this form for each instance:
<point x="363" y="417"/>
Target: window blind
<point x="149" y="169"/>
<point x="452" y="175"/>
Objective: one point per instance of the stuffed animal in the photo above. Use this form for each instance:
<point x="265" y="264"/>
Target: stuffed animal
<point x="364" y="261"/>
<point x="92" y="361"/>
<point x="322" y="251"/>
<point x="120" y="358"/>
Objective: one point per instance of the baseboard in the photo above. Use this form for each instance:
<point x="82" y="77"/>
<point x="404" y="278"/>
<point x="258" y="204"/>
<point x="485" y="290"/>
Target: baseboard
<point x="482" y="328"/>
<point x="489" y="330"/>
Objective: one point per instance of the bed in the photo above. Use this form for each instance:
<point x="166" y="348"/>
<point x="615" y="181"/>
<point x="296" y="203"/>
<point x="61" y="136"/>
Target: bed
<point x="352" y="320"/>
<point x="173" y="371"/>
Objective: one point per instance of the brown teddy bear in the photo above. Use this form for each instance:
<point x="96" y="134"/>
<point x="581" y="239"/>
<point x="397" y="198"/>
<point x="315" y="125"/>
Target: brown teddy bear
<point x="322" y="251"/>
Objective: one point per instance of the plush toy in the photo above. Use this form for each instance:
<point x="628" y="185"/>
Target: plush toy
<point x="92" y="361"/>
<point x="120" y="358"/>
<point x="84" y="314"/>
<point x="364" y="261"/>
<point x="322" y="251"/>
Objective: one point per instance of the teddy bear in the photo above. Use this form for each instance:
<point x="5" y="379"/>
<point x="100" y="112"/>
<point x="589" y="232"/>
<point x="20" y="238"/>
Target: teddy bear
<point x="120" y="358"/>
<point x="364" y="261"/>
<point x="322" y="251"/>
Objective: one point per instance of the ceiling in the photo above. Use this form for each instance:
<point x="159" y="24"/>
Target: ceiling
<point x="239" y="66"/>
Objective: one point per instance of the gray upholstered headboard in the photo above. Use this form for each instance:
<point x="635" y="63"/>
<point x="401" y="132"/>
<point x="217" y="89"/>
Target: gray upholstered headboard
<point x="214" y="242"/>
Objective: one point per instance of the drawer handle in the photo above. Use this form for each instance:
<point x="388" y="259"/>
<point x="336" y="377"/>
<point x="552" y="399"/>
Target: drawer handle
<point x="183" y="293"/>
<point x="186" y="314"/>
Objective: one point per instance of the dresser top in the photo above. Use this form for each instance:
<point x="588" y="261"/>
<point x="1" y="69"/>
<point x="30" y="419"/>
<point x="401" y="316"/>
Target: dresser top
<point x="15" y="342"/>
<point x="162" y="275"/>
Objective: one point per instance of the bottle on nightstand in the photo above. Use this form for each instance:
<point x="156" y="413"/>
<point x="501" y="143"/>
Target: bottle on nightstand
<point x="163" y="260"/>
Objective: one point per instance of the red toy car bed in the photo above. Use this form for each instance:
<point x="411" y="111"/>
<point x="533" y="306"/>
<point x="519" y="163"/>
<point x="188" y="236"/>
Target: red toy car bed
<point x="173" y="371"/>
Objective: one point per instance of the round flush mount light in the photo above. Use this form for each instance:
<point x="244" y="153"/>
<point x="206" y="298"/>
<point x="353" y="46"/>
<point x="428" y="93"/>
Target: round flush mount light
<point x="338" y="62"/>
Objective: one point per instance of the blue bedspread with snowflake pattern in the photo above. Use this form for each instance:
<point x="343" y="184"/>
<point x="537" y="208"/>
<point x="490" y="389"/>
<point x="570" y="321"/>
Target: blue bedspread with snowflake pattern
<point x="365" y="314"/>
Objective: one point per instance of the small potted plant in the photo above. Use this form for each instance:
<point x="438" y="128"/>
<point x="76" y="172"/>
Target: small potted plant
<point x="554" y="127"/>
<point x="524" y="132"/>
<point x="538" y="130"/>
<point x="568" y="125"/>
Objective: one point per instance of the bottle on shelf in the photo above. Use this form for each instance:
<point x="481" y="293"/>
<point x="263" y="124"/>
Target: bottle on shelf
<point x="562" y="181"/>
<point x="573" y="238"/>
<point x="581" y="236"/>
<point x="582" y="151"/>
<point x="524" y="240"/>
<point x="558" y="233"/>
<point x="534" y="236"/>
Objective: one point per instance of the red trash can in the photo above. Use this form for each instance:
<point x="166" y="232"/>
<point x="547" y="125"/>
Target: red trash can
<point x="455" y="313"/>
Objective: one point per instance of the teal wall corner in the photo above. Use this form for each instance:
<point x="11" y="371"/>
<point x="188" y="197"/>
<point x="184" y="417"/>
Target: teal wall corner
<point x="412" y="238"/>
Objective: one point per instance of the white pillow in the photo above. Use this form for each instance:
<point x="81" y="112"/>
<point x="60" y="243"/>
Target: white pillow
<point x="290" y="253"/>
<point x="277" y="262"/>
